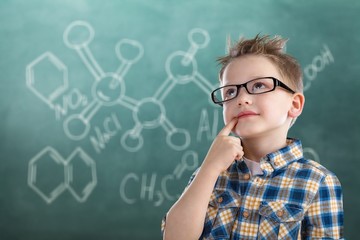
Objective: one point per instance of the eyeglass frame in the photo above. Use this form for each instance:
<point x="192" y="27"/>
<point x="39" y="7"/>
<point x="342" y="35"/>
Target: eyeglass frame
<point x="277" y="83"/>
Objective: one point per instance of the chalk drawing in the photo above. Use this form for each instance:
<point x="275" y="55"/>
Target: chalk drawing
<point x="79" y="158"/>
<point x="109" y="88"/>
<point x="148" y="187"/>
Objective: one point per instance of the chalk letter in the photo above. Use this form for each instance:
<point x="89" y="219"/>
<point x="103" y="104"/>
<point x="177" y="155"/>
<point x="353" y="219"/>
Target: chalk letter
<point x="122" y="188"/>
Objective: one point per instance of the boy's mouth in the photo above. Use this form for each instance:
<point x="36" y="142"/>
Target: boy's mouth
<point x="246" y="114"/>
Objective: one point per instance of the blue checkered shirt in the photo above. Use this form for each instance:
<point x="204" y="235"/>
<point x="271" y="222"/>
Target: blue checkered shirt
<point x="294" y="198"/>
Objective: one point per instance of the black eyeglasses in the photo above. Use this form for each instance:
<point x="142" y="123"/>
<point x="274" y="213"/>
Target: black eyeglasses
<point x="254" y="86"/>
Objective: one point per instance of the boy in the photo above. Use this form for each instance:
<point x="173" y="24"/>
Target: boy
<point x="269" y="191"/>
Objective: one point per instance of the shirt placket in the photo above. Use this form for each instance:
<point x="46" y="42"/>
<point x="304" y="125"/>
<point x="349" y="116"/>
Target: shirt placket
<point x="251" y="188"/>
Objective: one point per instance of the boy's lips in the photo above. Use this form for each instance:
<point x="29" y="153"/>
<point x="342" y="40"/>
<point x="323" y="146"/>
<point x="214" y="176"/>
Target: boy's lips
<point x="246" y="114"/>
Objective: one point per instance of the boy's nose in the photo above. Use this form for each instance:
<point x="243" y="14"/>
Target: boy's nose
<point x="243" y="97"/>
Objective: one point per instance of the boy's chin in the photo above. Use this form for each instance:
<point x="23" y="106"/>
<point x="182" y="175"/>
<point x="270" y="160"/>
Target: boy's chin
<point x="236" y="133"/>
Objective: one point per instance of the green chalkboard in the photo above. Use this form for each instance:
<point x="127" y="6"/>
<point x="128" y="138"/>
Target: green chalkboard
<point x="105" y="108"/>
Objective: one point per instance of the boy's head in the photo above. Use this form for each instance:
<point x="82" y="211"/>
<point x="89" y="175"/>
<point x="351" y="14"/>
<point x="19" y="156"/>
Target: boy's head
<point x="261" y="86"/>
<point x="271" y="48"/>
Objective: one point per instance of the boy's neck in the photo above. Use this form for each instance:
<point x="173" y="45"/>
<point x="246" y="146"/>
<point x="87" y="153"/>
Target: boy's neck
<point x="257" y="148"/>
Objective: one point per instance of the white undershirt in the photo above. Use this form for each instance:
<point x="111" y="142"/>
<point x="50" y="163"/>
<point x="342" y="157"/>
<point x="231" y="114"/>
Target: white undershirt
<point x="253" y="166"/>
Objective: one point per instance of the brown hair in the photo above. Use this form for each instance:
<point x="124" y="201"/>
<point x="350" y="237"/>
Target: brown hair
<point x="272" y="48"/>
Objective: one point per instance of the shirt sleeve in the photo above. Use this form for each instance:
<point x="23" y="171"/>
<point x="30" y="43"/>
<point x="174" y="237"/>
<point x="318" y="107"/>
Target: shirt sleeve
<point x="325" y="216"/>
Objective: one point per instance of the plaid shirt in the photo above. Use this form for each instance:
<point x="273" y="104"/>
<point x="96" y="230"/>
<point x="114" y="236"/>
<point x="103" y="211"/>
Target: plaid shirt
<point x="294" y="198"/>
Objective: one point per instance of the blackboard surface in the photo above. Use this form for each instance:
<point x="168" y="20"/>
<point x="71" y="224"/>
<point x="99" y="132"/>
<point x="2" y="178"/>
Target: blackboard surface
<point x="105" y="108"/>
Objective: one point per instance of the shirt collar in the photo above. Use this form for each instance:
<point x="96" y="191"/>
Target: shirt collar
<point x="282" y="157"/>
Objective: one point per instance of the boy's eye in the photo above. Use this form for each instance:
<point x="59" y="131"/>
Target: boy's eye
<point x="229" y="93"/>
<point x="260" y="86"/>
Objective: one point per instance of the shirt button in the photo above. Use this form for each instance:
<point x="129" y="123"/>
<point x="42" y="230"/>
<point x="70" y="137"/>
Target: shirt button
<point x="280" y="213"/>
<point x="246" y="176"/>
<point x="245" y="214"/>
<point x="220" y="199"/>
<point x="276" y="163"/>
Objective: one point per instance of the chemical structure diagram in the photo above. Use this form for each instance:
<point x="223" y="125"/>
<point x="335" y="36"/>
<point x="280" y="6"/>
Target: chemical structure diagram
<point x="108" y="89"/>
<point x="67" y="167"/>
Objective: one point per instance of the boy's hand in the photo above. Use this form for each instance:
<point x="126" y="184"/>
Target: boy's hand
<point x="224" y="149"/>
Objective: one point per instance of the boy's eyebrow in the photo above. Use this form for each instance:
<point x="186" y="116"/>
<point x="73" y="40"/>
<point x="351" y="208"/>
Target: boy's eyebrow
<point x="250" y="78"/>
<point x="257" y="76"/>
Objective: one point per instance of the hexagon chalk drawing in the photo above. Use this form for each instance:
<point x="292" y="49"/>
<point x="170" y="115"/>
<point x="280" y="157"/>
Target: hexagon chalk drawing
<point x="35" y="81"/>
<point x="83" y="192"/>
<point x="47" y="154"/>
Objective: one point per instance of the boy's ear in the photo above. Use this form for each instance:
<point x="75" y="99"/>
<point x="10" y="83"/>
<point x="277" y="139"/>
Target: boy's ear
<point x="297" y="105"/>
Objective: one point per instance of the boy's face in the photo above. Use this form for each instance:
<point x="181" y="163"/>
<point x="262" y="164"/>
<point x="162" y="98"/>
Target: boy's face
<point x="262" y="114"/>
